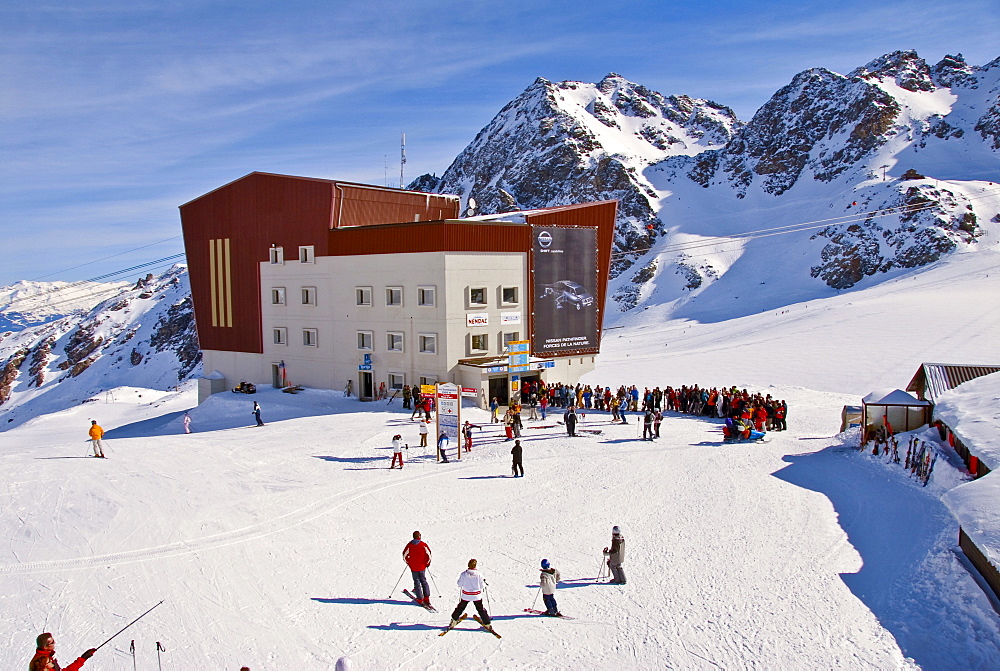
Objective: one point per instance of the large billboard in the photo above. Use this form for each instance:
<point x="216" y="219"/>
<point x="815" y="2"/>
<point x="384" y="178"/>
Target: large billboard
<point x="564" y="287"/>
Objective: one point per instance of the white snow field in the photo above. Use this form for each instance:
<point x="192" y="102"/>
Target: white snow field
<point x="279" y="547"/>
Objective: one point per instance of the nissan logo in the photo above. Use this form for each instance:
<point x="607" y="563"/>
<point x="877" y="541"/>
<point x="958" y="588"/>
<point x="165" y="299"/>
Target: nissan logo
<point x="544" y="239"/>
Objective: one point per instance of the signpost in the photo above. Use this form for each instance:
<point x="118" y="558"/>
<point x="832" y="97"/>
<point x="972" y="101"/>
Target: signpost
<point x="449" y="414"/>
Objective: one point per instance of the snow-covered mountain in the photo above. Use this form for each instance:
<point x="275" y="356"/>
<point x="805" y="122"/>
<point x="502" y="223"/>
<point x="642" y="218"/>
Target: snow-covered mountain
<point x="28" y="303"/>
<point x="143" y="335"/>
<point x="888" y="167"/>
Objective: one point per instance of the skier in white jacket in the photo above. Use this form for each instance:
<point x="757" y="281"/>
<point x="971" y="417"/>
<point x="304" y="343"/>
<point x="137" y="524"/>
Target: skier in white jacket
<point x="473" y="586"/>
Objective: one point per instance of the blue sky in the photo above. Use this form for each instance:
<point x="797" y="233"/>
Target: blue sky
<point x="115" y="113"/>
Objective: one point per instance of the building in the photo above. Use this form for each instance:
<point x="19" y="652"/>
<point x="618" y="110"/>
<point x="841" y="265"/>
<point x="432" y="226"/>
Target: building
<point x="320" y="283"/>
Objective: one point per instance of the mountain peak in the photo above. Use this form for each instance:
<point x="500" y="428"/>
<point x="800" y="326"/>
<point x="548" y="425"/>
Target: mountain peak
<point x="906" y="68"/>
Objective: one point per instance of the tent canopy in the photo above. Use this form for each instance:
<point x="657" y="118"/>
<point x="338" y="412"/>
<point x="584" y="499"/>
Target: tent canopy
<point x="892" y="397"/>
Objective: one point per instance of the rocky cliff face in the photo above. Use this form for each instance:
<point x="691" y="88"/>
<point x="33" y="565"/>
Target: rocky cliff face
<point x="561" y="143"/>
<point x="143" y="335"/>
<point x="870" y="145"/>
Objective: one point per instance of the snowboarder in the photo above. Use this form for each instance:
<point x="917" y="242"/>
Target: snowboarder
<point x="417" y="555"/>
<point x="442" y="447"/>
<point x="96" y="433"/>
<point x="256" y="413"/>
<point x="45" y="655"/>
<point x="187" y="423"/>
<point x="516" y="454"/>
<point x="616" y="555"/>
<point x="397" y="451"/>
<point x="548" y="580"/>
<point x="472" y="585"/>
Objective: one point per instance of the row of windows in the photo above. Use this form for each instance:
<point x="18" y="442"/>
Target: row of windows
<point x="307" y="254"/>
<point x="426" y="296"/>
<point x="394" y="341"/>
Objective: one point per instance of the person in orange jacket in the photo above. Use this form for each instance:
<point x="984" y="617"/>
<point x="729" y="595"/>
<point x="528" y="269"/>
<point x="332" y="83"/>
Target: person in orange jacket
<point x="96" y="433"/>
<point x="45" y="656"/>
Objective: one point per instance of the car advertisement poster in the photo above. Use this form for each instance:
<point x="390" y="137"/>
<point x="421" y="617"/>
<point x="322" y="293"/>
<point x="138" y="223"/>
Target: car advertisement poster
<point x="564" y="274"/>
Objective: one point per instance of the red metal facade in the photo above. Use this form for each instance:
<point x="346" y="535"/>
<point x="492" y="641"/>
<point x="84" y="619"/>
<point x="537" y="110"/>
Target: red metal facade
<point x="228" y="232"/>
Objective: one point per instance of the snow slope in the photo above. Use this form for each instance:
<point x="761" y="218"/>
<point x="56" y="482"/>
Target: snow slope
<point x="279" y="547"/>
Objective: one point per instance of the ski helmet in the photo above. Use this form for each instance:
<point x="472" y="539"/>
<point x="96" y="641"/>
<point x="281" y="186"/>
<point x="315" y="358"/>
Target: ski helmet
<point x="545" y="563"/>
<point x="615" y="531"/>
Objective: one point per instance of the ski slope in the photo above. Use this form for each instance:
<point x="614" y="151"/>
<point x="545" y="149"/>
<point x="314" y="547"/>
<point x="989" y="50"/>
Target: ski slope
<point x="279" y="547"/>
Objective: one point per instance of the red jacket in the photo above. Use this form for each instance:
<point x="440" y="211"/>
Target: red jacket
<point x="417" y="555"/>
<point x="75" y="666"/>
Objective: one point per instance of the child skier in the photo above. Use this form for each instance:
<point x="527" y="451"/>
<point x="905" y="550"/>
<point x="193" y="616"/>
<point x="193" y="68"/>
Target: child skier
<point x="548" y="580"/>
<point x="397" y="451"/>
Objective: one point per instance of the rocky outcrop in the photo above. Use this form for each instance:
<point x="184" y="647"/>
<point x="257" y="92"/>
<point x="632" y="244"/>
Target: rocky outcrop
<point x="176" y="332"/>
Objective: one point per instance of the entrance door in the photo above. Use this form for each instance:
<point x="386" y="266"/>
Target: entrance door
<point x="366" y="387"/>
<point x="499" y="390"/>
<point x="276" y="375"/>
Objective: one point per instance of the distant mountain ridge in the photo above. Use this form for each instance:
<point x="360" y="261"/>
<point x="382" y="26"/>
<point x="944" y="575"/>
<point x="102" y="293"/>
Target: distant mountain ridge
<point x="143" y="335"/>
<point x="28" y="303"/>
<point x="824" y="141"/>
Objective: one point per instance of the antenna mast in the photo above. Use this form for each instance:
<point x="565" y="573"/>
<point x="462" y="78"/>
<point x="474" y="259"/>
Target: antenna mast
<point x="402" y="158"/>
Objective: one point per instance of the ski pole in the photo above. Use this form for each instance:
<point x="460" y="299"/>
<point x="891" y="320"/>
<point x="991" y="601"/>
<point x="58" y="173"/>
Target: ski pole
<point x="127" y="626"/>
<point x="536" y="597"/>
<point x="397" y="583"/>
<point x="486" y="589"/>
<point x="159" y="649"/>
<point x="435" y="583"/>
<point x="131" y="648"/>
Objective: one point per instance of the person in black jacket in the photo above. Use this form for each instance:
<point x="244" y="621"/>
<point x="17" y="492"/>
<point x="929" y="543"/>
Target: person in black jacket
<point x="516" y="454"/>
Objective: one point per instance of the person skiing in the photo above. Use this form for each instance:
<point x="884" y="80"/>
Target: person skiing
<point x="397" y="451"/>
<point x="417" y="555"/>
<point x="187" y="423"/>
<point x="516" y="452"/>
<point x="548" y="580"/>
<point x="96" y="433"/>
<point x="45" y="651"/>
<point x="442" y="446"/>
<point x="467" y="432"/>
<point x="256" y="413"/>
<point x="472" y="585"/>
<point x="647" y="424"/>
<point x="570" y="418"/>
<point x="616" y="555"/>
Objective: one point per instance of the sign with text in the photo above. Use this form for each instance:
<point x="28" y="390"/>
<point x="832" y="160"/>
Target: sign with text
<point x="564" y="279"/>
<point x="477" y="319"/>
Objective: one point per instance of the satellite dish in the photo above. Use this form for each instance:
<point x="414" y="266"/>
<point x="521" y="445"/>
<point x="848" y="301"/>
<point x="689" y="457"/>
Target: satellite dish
<point x="471" y="211"/>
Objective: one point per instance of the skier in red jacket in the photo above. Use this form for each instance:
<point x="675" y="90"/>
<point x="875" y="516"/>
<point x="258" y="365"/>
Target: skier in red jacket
<point x="417" y="555"/>
<point x="45" y="656"/>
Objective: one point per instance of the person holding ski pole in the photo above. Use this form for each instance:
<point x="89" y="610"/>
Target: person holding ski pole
<point x="616" y="555"/>
<point x="417" y="555"/>
<point x="472" y="585"/>
<point x="45" y="656"/>
<point x="96" y="433"/>
<point x="397" y="451"/>
<point x="548" y="580"/>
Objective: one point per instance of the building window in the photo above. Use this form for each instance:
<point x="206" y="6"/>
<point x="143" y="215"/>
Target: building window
<point x="394" y="342"/>
<point x="394" y="296"/>
<point x="477" y="296"/>
<point x="365" y="340"/>
<point x="278" y="296"/>
<point x="280" y="336"/>
<point x="396" y="380"/>
<point x="428" y="379"/>
<point x="428" y="343"/>
<point x="310" y="337"/>
<point x="509" y="295"/>
<point x="363" y="295"/>
<point x="479" y="342"/>
<point x="307" y="254"/>
<point x="508" y="337"/>
<point x="277" y="255"/>
<point x="426" y="296"/>
<point x="309" y="295"/>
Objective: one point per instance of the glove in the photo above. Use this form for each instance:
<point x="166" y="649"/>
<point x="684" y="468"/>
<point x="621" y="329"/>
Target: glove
<point x="89" y="653"/>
